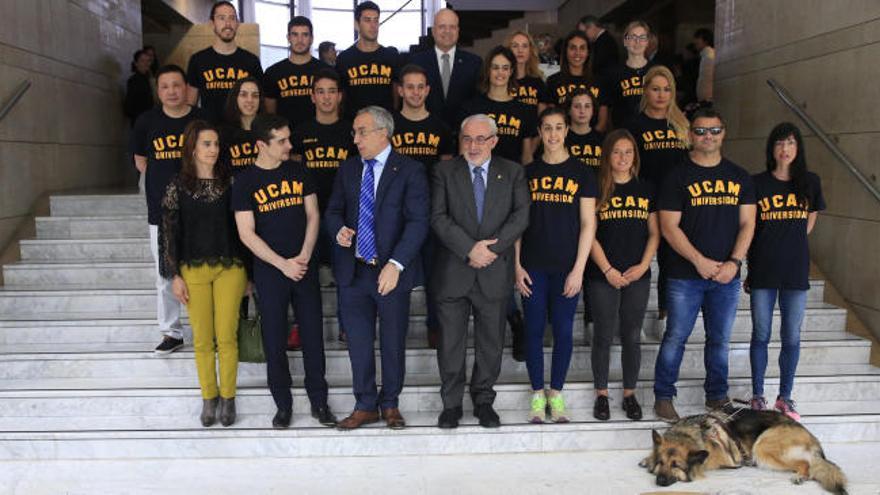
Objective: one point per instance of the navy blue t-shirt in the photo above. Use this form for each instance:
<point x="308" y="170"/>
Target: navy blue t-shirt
<point x="214" y="75"/>
<point x="622" y="226"/>
<point x="660" y="148"/>
<point x="423" y="140"/>
<point x="623" y="90"/>
<point x="530" y="91"/>
<point x="550" y="242"/>
<point x="779" y="257"/>
<point x="277" y="199"/>
<point x="159" y="137"/>
<point x="290" y="85"/>
<point x="708" y="199"/>
<point x="515" y="121"/>
<point x="368" y="78"/>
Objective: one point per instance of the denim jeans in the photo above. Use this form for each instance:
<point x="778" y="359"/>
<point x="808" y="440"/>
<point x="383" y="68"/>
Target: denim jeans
<point x="792" y="304"/>
<point x="547" y="296"/>
<point x="685" y="298"/>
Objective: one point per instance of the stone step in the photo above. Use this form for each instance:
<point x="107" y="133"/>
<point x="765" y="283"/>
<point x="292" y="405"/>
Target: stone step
<point x="41" y="288"/>
<point x="104" y="361"/>
<point x="121" y="324"/>
<point x="134" y="249"/>
<point x="93" y="227"/>
<point x="135" y="408"/>
<point x="253" y="439"/>
<point x="92" y="205"/>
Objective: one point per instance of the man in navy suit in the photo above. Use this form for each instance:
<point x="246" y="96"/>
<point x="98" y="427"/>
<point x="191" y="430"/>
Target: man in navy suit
<point x="449" y="88"/>
<point x="378" y="215"/>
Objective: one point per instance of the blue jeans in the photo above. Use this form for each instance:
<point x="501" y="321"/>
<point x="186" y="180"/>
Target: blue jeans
<point x="547" y="295"/>
<point x="684" y="299"/>
<point x="792" y="305"/>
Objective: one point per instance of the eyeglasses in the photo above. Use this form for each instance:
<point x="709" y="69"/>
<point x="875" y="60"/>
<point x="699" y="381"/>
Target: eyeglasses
<point x="364" y="132"/>
<point x="479" y="140"/>
<point x="701" y="131"/>
<point x="640" y="38"/>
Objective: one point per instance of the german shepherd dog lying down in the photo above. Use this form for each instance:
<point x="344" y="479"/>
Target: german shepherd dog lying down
<point x="736" y="437"/>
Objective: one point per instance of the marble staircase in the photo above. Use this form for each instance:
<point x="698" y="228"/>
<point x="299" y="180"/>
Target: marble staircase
<point x="79" y="380"/>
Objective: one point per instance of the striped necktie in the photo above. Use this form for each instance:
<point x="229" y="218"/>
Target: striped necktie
<point x="366" y="244"/>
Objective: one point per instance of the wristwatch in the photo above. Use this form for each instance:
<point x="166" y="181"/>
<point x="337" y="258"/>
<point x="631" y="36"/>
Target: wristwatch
<point x="736" y="261"/>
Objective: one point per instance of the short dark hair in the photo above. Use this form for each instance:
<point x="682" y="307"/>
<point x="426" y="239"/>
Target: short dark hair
<point x="590" y="19"/>
<point x="365" y="6"/>
<point x="325" y="46"/>
<point x="326" y="73"/>
<point x="412" y="69"/>
<point x="300" y="21"/>
<point x="220" y="4"/>
<point x="553" y="111"/>
<point x="708" y="113"/>
<point x="135" y="58"/>
<point x="166" y="69"/>
<point x="265" y="123"/>
<point x="705" y="35"/>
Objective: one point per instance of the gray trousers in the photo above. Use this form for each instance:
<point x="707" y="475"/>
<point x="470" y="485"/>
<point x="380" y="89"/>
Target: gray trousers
<point x="489" y="324"/>
<point x="612" y="309"/>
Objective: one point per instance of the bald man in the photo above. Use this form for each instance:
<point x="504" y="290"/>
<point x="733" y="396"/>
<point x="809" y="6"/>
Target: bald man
<point x="452" y="72"/>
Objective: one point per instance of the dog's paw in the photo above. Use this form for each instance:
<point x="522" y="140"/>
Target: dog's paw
<point x="645" y="463"/>
<point x="798" y="479"/>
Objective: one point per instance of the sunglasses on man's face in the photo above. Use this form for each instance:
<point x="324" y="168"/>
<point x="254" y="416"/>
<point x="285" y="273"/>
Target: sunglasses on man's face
<point x="701" y="131"/>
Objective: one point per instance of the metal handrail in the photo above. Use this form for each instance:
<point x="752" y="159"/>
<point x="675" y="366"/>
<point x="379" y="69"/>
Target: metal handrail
<point x="790" y="102"/>
<point x="19" y="92"/>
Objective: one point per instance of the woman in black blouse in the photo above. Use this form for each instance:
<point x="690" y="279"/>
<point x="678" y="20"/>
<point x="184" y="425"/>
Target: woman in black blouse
<point x="201" y="253"/>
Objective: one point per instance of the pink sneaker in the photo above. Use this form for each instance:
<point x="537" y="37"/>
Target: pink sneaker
<point x="758" y="403"/>
<point x="786" y="406"/>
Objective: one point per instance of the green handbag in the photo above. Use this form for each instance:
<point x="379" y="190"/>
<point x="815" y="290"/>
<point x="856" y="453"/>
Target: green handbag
<point x="250" y="336"/>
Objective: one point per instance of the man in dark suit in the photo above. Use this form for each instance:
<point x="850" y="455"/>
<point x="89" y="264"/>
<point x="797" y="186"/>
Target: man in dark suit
<point x="604" y="52"/>
<point x="479" y="208"/>
<point x="378" y="216"/>
<point x="452" y="73"/>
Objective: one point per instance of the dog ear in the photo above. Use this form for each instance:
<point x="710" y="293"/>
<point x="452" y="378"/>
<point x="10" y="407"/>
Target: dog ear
<point x="697" y="457"/>
<point x="658" y="439"/>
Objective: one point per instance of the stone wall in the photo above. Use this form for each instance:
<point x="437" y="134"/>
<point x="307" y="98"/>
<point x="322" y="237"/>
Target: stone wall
<point x="826" y="55"/>
<point x="68" y="131"/>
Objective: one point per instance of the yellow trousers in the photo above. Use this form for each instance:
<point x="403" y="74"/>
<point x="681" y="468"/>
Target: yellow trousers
<point x="215" y="295"/>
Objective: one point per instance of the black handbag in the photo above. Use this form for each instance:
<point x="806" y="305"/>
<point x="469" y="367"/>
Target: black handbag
<point x="250" y="336"/>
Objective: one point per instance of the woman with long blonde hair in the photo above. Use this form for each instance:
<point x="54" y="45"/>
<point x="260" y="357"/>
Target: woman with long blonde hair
<point x="661" y="134"/>
<point x="532" y="90"/>
<point x="627" y="236"/>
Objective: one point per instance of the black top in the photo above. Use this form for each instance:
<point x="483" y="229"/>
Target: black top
<point x="197" y="227"/>
<point x="561" y="85"/>
<point x="708" y="199"/>
<point x="323" y="148"/>
<point x="214" y="75"/>
<point x="550" y="242"/>
<point x="623" y="91"/>
<point x="515" y="122"/>
<point x="238" y="148"/>
<point x="531" y="91"/>
<point x="622" y="227"/>
<point x="604" y="53"/>
<point x="424" y="140"/>
<point x="291" y="85"/>
<point x="586" y="147"/>
<point x="277" y="199"/>
<point x="368" y="77"/>
<point x="159" y="138"/>
<point x="138" y="96"/>
<point x="660" y="149"/>
<point x="779" y="257"/>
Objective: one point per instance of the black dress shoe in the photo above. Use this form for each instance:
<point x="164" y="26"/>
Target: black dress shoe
<point x="449" y="418"/>
<point x="601" y="410"/>
<point x="487" y="416"/>
<point x="518" y="330"/>
<point x="323" y="415"/>
<point x="282" y="418"/>
<point x="632" y="408"/>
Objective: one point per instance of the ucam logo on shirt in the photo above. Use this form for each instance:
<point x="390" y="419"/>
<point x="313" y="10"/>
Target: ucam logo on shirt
<point x="783" y="207"/>
<point x="223" y="77"/>
<point x="295" y="85"/>
<point x="325" y="156"/>
<point x="279" y="195"/>
<point x="620" y="207"/>
<point x="369" y="74"/>
<point x="168" y="147"/>
<point x="714" y="192"/>
<point x="549" y="189"/>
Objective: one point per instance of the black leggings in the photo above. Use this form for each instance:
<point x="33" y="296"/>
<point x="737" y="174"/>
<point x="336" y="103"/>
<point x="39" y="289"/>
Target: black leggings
<point x="611" y="307"/>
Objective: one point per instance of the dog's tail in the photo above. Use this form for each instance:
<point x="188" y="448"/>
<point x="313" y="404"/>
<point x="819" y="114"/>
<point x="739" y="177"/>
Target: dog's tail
<point x="828" y="474"/>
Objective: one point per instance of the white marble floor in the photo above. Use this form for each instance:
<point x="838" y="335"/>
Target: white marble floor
<point x="606" y="472"/>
